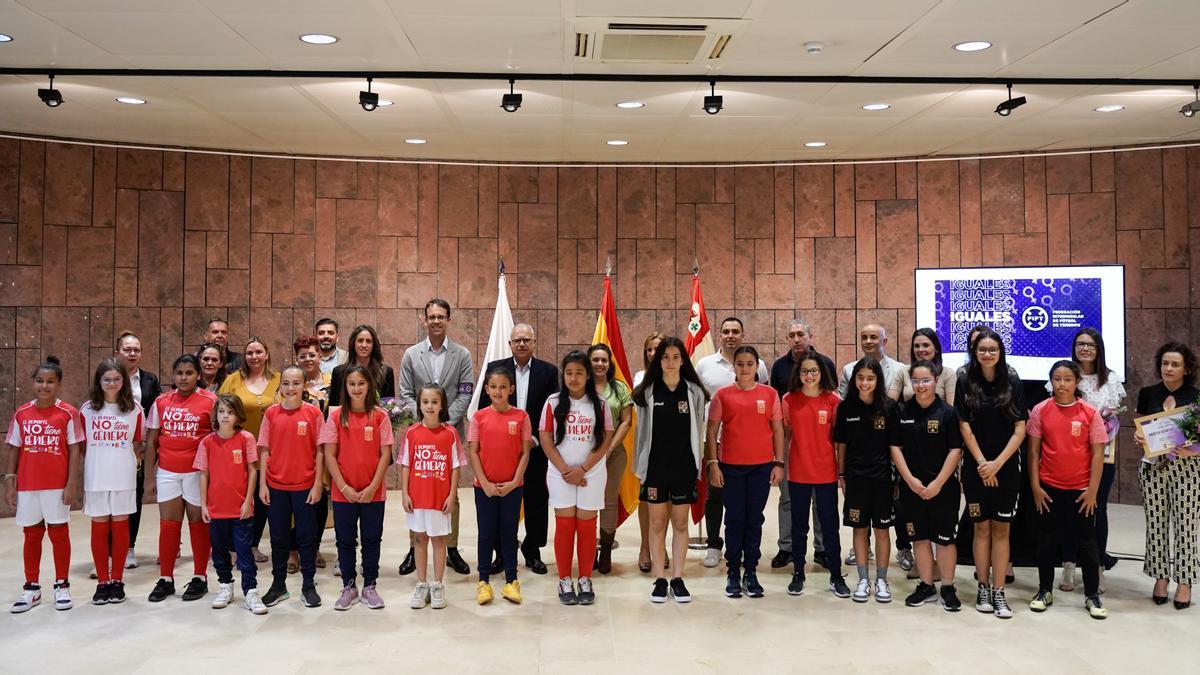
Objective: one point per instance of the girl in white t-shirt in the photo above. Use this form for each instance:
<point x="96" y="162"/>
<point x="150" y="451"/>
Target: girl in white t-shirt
<point x="576" y="426"/>
<point x="112" y="442"/>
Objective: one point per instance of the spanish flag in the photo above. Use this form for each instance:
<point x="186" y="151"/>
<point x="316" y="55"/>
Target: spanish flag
<point x="608" y="332"/>
<point x="699" y="344"/>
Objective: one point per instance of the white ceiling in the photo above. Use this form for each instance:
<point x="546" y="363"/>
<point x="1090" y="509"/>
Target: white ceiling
<point x="570" y="121"/>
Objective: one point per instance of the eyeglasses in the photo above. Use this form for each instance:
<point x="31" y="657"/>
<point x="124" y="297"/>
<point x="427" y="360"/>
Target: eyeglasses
<point x="131" y="350"/>
<point x="436" y="317"/>
<point x="518" y="341"/>
<point x="988" y="351"/>
<point x="923" y="382"/>
<point x="111" y="380"/>
<point x="1090" y="346"/>
<point x="810" y="371"/>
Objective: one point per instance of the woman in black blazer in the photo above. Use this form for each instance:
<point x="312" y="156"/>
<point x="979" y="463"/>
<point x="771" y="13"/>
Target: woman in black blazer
<point x="145" y="389"/>
<point x="366" y="351"/>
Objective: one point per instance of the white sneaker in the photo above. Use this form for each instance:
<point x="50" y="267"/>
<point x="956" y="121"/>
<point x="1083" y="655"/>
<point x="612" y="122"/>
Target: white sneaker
<point x="253" y="602"/>
<point x="1000" y="604"/>
<point x="713" y="557"/>
<point x="130" y="560"/>
<point x="862" y="592"/>
<point x="62" y="596"/>
<point x="851" y="558"/>
<point x="983" y="600"/>
<point x="420" y="596"/>
<point x="437" y="595"/>
<point x="31" y="596"/>
<point x="883" y="591"/>
<point x="224" y="596"/>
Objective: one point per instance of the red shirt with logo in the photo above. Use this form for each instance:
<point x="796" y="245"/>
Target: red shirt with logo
<point x="228" y="462"/>
<point x="181" y="422"/>
<point x="291" y="438"/>
<point x="431" y="456"/>
<point x="500" y="436"/>
<point x="360" y="444"/>
<point x="746" y="416"/>
<point x="1067" y="433"/>
<point x="811" y="455"/>
<point x="43" y="436"/>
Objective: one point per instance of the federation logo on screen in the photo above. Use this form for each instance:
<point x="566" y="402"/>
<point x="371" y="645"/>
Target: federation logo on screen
<point x="1035" y="318"/>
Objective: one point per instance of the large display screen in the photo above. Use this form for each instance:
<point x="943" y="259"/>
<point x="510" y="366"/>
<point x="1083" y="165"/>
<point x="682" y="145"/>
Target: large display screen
<point x="1037" y="310"/>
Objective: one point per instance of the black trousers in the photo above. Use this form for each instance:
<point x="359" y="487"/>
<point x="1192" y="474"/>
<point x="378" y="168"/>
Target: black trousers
<point x="1064" y="524"/>
<point x="135" y="518"/>
<point x="536" y="501"/>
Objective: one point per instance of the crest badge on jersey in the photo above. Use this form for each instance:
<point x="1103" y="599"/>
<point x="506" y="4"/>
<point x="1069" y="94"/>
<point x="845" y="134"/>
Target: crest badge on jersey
<point x="911" y="529"/>
<point x="975" y="510"/>
<point x="512" y="427"/>
<point x="237" y="455"/>
<point x="761" y="406"/>
<point x="683" y="407"/>
<point x="368" y="433"/>
<point x="932" y="426"/>
<point x="301" y="428"/>
<point x="822" y="417"/>
<point x="1076" y="428"/>
<point x="880" y="423"/>
<point x="854" y="515"/>
<point x="651" y="493"/>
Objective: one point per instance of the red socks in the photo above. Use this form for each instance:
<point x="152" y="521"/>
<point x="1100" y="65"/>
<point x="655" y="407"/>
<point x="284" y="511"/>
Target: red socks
<point x="100" y="549"/>
<point x="169" y="535"/>
<point x="120" y="548"/>
<point x="60" y="539"/>
<point x="33" y="552"/>
<point x="585" y="532"/>
<point x="201" y="547"/>
<point x="564" y="544"/>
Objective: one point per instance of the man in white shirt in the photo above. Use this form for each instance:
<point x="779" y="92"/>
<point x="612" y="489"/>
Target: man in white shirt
<point x="873" y="339"/>
<point x="332" y="356"/>
<point x="716" y="371"/>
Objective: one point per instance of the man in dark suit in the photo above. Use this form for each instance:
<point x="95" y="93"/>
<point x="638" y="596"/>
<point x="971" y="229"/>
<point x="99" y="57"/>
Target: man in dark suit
<point x="145" y="389"/>
<point x="536" y="380"/>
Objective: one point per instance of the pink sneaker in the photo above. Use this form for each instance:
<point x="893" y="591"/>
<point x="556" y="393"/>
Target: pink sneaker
<point x="370" y="597"/>
<point x="348" y="597"/>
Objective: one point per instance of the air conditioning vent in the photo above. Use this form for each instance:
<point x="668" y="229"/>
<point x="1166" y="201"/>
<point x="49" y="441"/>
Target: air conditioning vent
<point x="656" y="40"/>
<point x="719" y="48"/>
<point x="670" y="27"/>
<point x="581" y="45"/>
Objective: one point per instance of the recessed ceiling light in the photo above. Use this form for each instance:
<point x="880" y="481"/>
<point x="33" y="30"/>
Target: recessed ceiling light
<point x="5" y="38"/>
<point x="617" y="142"/>
<point x="628" y="105"/>
<point x="1111" y="107"/>
<point x="130" y="100"/>
<point x="815" y="144"/>
<point x="383" y="103"/>
<point x="415" y="141"/>
<point x="318" y="38"/>
<point x="876" y="106"/>
<point x="973" y="46"/>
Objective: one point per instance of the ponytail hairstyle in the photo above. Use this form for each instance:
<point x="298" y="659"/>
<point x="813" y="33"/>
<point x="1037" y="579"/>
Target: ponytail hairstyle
<point x="564" y="400"/>
<point x="1004" y="398"/>
<point x="443" y="414"/>
<point x="1072" y="366"/>
<point x="746" y="349"/>
<point x="653" y="376"/>
<point x="372" y="394"/>
<point x="96" y="394"/>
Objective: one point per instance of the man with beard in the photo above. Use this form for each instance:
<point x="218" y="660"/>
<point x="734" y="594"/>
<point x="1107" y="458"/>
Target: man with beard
<point x="332" y="356"/>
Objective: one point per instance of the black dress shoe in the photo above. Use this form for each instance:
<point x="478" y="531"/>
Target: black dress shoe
<point x="781" y="559"/>
<point x="1183" y="604"/>
<point x="409" y="565"/>
<point x="534" y="563"/>
<point x="455" y="560"/>
<point x="497" y="566"/>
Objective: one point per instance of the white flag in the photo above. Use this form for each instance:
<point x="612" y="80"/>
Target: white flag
<point x="502" y="325"/>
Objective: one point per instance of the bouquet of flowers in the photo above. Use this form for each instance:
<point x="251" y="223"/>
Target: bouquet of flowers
<point x="1112" y="420"/>
<point x="400" y="414"/>
<point x="1189" y="425"/>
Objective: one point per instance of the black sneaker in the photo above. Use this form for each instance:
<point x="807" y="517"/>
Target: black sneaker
<point x="116" y="592"/>
<point x="275" y="594"/>
<point x="162" y="590"/>
<point x="750" y="581"/>
<point x="837" y="586"/>
<point x="586" y="594"/>
<point x="308" y="596"/>
<point x="781" y="559"/>
<point x="679" y="591"/>
<point x="733" y="585"/>
<point x="924" y="593"/>
<point x="658" y="594"/>
<point x="950" y="601"/>
<point x="197" y="588"/>
<point x="566" y="592"/>
<point x="797" y="585"/>
<point x="409" y="564"/>
<point x="100" y="597"/>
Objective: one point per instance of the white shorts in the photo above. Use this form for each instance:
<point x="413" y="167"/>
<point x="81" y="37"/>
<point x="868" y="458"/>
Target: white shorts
<point x="171" y="485"/>
<point x="109" y="503"/>
<point x="431" y="522"/>
<point x="35" y="506"/>
<point x="590" y="497"/>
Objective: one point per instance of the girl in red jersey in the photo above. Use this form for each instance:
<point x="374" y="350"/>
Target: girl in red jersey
<point x="46" y="436"/>
<point x="430" y="457"/>
<point x="291" y="470"/>
<point x="1066" y="457"/>
<point x="498" y="444"/>
<point x="178" y="420"/>
<point x="810" y="410"/>
<point x="226" y="460"/>
<point x="358" y="440"/>
<point x="113" y="439"/>
<point x="749" y="417"/>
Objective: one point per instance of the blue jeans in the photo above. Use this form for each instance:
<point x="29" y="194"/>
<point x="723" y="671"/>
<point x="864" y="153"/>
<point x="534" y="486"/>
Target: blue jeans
<point x="233" y="534"/>
<point x="285" y="506"/>
<point x="349" y="522"/>
<point x="745" y="497"/>
<point x="498" y="518"/>
<point x="826" y="496"/>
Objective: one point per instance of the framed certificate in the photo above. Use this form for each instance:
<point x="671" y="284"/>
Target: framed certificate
<point x="1161" y="433"/>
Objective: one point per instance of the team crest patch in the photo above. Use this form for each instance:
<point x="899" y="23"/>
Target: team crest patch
<point x="368" y="433"/>
<point x="301" y="428"/>
<point x="822" y="417"/>
<point x="974" y="510"/>
<point x="237" y="455"/>
<point x="880" y="423"/>
<point x="683" y="407"/>
<point x="1076" y="428"/>
<point x="512" y="428"/>
<point x="651" y="493"/>
<point x="761" y="406"/>
<point x="932" y="426"/>
<point x="911" y="529"/>
<point x="855" y="515"/>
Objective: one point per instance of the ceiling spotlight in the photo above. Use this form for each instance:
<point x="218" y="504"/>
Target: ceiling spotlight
<point x="318" y="38"/>
<point x="1192" y="108"/>
<point x="1111" y="107"/>
<point x="383" y="103"/>
<point x="1006" y="107"/>
<point x="615" y="142"/>
<point x="973" y="46"/>
<point x="630" y="105"/>
<point x="51" y="97"/>
<point x="130" y="100"/>
<point x="5" y="38"/>
<point x="713" y="103"/>
<point x="815" y="144"/>
<point x="368" y="99"/>
<point x="415" y="141"/>
<point x="876" y="106"/>
<point x="510" y="102"/>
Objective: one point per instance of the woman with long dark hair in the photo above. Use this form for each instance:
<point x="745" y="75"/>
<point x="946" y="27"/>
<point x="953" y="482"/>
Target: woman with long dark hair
<point x="365" y="351"/>
<point x="620" y="407"/>
<point x="925" y="346"/>
<point x="651" y="343"/>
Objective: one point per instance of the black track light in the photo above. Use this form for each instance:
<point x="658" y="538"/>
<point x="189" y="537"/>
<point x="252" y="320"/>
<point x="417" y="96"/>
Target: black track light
<point x="51" y="97"/>
<point x="713" y="103"/>
<point x="1006" y="107"/>
<point x="368" y="99"/>
<point x="1192" y="108"/>
<point x="510" y="101"/>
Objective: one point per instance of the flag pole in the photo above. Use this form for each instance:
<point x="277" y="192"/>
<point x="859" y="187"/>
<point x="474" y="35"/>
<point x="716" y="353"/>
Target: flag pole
<point x="700" y="541"/>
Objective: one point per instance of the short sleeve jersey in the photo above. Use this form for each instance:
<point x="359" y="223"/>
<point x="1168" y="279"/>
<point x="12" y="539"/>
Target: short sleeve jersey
<point x="360" y="444"/>
<point x="181" y="422"/>
<point x="43" y="436"/>
<point x="112" y="436"/>
<point x="866" y="435"/>
<point x="811" y="456"/>
<point x="746" y="416"/>
<point x="500" y="436"/>
<point x="991" y="426"/>
<point x="1067" y="432"/>
<point x="431" y="456"/>
<point x="580" y="437"/>
<point x="228" y="462"/>
<point x="291" y="438"/>
<point x="926" y="436"/>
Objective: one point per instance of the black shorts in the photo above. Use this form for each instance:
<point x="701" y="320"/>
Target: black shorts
<point x="990" y="503"/>
<point x="933" y="520"/>
<point x="676" y="493"/>
<point x="868" y="503"/>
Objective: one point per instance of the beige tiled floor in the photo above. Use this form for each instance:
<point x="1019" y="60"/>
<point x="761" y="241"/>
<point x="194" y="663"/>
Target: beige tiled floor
<point x="622" y="631"/>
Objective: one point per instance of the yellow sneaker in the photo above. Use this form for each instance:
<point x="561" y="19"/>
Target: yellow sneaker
<point x="512" y="591"/>
<point x="483" y="593"/>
